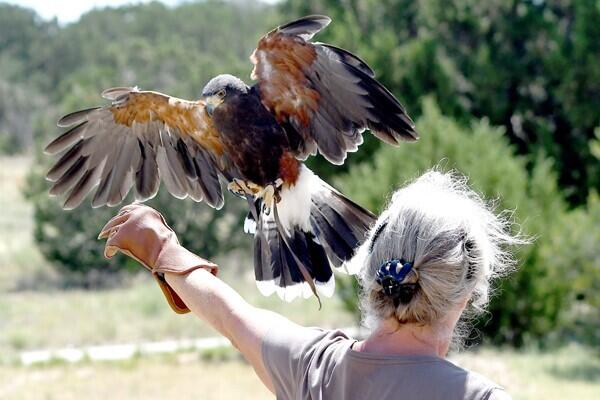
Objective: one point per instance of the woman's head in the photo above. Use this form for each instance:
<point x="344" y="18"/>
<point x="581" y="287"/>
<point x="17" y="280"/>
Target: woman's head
<point x="453" y="240"/>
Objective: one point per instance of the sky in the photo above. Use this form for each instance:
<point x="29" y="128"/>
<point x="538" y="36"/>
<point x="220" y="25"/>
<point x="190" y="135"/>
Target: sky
<point x="70" y="10"/>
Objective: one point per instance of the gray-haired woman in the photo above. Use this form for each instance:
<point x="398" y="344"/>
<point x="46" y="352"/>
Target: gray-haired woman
<point x="432" y="252"/>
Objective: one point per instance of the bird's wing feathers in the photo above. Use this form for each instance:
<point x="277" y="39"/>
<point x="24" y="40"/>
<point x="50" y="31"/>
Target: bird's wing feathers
<point x="324" y="96"/>
<point x="141" y="137"/>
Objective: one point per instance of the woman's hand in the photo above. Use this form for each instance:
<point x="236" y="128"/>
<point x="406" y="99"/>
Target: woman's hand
<point x="143" y="234"/>
<point x="139" y="231"/>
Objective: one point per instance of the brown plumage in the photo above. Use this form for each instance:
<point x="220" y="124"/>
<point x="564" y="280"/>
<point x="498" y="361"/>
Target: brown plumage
<point x="288" y="93"/>
<point x="140" y="137"/>
<point x="309" y="97"/>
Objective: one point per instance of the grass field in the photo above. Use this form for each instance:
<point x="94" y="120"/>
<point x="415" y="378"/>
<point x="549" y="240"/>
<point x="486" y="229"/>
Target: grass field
<point x="19" y="258"/>
<point x="32" y="319"/>
<point x="572" y="372"/>
<point x="566" y="373"/>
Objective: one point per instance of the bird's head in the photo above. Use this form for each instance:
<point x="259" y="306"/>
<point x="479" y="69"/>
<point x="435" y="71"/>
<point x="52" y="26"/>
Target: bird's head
<point x="222" y="88"/>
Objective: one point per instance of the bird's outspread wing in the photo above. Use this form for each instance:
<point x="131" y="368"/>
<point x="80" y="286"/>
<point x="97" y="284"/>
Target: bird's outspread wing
<point x="322" y="95"/>
<point x="140" y="137"/>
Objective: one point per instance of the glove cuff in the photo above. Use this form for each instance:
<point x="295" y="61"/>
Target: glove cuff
<point x="175" y="259"/>
<point x="171" y="296"/>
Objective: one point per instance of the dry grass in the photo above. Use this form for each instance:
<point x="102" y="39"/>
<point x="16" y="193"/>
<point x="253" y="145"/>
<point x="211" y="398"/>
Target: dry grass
<point x="181" y="377"/>
<point x="572" y="372"/>
<point x="38" y="319"/>
<point x="18" y="255"/>
<point x="137" y="312"/>
<point x="32" y="320"/>
<point x="567" y="373"/>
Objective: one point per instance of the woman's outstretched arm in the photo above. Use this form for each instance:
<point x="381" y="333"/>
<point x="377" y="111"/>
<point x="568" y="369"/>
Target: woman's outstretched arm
<point x="215" y="302"/>
<point x="142" y="233"/>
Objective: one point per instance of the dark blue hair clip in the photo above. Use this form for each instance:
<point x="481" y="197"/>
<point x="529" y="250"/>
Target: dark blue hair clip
<point x="390" y="276"/>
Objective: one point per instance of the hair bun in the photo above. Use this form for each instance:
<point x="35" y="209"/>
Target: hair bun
<point x="390" y="276"/>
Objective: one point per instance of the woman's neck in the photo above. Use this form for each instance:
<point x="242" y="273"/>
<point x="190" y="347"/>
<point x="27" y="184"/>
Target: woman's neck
<point x="393" y="338"/>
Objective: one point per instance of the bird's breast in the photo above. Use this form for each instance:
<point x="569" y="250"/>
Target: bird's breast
<point x="289" y="168"/>
<point x="255" y="142"/>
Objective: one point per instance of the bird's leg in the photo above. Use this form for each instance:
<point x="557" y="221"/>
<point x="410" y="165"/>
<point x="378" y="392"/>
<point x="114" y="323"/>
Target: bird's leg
<point x="254" y="188"/>
<point x="278" y="183"/>
<point x="235" y="188"/>
<point x="270" y="195"/>
<point x="239" y="187"/>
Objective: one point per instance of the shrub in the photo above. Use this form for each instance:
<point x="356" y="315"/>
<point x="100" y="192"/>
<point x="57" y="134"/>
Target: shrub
<point x="68" y="238"/>
<point x="533" y="301"/>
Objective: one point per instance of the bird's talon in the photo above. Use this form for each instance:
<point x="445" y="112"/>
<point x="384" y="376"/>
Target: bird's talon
<point x="268" y="196"/>
<point x="234" y="188"/>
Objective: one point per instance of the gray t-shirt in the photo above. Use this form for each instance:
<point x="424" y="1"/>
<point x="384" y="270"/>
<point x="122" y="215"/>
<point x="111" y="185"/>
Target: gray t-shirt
<point x="317" y="364"/>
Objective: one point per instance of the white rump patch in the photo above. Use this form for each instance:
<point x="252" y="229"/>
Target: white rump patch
<point x="295" y="204"/>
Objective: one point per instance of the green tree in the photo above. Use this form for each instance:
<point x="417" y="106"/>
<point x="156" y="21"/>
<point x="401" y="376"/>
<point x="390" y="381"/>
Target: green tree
<point x="68" y="238"/>
<point x="534" y="300"/>
<point x="529" y="66"/>
<point x="573" y="244"/>
<point x="175" y="50"/>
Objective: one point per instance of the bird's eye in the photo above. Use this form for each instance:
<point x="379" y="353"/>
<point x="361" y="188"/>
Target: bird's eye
<point x="221" y="93"/>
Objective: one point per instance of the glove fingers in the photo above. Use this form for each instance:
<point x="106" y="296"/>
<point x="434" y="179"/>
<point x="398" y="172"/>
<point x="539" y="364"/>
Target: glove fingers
<point x="132" y="206"/>
<point x="114" y="222"/>
<point x="130" y="254"/>
<point x="110" y="249"/>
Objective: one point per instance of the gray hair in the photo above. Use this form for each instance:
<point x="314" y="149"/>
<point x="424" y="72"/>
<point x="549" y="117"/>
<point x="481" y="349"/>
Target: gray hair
<point x="454" y="240"/>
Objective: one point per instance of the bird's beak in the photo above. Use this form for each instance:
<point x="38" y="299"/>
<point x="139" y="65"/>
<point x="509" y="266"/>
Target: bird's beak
<point x="212" y="102"/>
<point x="210" y="108"/>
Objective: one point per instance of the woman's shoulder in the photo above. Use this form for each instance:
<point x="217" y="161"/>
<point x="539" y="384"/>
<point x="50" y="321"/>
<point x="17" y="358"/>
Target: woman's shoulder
<point x="429" y="376"/>
<point x="464" y="383"/>
<point x="326" y="360"/>
<point x="499" y="394"/>
<point x="485" y="387"/>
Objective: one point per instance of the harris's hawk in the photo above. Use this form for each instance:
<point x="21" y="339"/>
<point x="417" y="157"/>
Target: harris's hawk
<point x="308" y="97"/>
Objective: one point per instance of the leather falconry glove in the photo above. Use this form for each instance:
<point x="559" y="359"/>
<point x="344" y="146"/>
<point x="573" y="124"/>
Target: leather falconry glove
<point x="142" y="233"/>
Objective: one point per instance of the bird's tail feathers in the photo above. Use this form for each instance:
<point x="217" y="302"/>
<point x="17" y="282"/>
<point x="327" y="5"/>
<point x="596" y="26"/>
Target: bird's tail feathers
<point x="312" y="230"/>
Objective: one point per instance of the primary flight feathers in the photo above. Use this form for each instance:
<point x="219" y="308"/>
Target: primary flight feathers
<point x="142" y="136"/>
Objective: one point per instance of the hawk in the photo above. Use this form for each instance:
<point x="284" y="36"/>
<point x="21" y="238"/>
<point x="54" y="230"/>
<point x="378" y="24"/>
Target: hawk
<point x="308" y="97"/>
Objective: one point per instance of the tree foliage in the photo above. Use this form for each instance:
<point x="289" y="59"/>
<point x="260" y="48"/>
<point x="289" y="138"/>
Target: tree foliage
<point x="47" y="70"/>
<point x="175" y="50"/>
<point x="67" y="238"/>
<point x="541" y="295"/>
<point x="529" y="66"/>
<point x="514" y="102"/>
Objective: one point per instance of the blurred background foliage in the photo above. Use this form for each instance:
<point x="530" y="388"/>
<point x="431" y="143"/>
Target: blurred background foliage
<point x="505" y="91"/>
<point x="548" y="290"/>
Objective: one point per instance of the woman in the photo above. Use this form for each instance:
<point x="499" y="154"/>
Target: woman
<point x="432" y="252"/>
